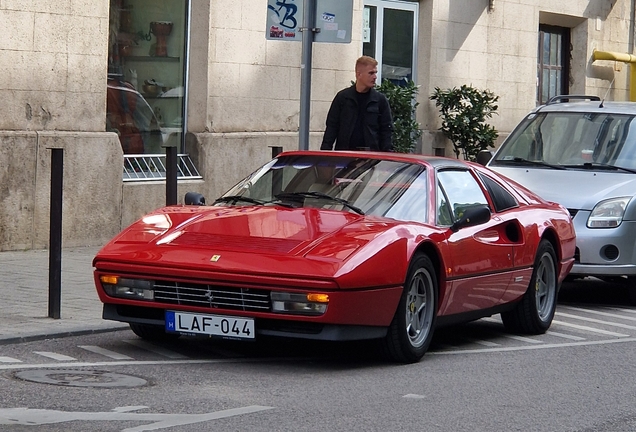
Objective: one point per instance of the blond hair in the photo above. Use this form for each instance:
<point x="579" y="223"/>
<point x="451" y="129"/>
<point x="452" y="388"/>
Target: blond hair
<point x="366" y="61"/>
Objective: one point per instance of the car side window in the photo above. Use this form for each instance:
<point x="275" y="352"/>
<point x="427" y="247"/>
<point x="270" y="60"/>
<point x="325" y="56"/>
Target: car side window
<point x="444" y="216"/>
<point x="461" y="190"/>
<point x="501" y="198"/>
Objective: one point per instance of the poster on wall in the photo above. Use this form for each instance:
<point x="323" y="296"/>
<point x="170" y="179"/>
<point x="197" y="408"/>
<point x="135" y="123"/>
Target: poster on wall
<point x="333" y="19"/>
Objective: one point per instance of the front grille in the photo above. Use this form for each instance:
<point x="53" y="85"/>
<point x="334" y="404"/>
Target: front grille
<point x="212" y="296"/>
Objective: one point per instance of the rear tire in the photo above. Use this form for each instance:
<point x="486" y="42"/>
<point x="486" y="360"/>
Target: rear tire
<point x="152" y="332"/>
<point x="534" y="313"/>
<point x="411" y="330"/>
<point x="631" y="289"/>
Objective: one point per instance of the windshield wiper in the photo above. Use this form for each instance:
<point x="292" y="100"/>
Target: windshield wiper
<point x="233" y="199"/>
<point x="522" y="161"/>
<point x="592" y="165"/>
<point x="296" y="195"/>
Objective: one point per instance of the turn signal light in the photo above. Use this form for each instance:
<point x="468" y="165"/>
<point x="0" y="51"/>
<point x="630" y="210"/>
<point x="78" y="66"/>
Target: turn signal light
<point x="109" y="279"/>
<point x="318" y="298"/>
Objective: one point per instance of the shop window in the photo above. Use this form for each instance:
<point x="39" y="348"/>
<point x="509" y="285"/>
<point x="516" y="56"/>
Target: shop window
<point x="147" y="74"/>
<point x="389" y="34"/>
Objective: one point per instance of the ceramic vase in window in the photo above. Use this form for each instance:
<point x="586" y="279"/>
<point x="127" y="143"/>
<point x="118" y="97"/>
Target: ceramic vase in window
<point x="161" y="29"/>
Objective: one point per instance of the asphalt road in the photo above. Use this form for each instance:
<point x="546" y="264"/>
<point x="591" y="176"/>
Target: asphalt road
<point x="476" y="377"/>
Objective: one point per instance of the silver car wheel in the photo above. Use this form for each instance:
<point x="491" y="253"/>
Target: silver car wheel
<point x="534" y="313"/>
<point x="420" y="307"/>
<point x="545" y="286"/>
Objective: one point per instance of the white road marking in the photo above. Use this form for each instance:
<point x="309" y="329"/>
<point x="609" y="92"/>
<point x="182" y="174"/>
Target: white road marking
<point x="524" y="339"/>
<point x="630" y="311"/>
<point x="9" y="360"/>
<point x="606" y="314"/>
<point x="530" y="347"/>
<point x="413" y="396"/>
<point x="105" y="352"/>
<point x="595" y="321"/>
<point x="54" y="356"/>
<point x="155" y="349"/>
<point x="450" y="350"/>
<point x="565" y="336"/>
<point x="136" y="363"/>
<point x="31" y="417"/>
<point x="588" y="329"/>
<point x="484" y="342"/>
<point x="130" y="408"/>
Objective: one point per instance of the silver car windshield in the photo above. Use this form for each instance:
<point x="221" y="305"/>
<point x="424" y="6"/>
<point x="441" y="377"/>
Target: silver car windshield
<point x="366" y="186"/>
<point x="572" y="140"/>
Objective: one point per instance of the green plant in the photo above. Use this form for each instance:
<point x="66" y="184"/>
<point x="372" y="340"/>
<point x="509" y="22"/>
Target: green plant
<point x="401" y="98"/>
<point x="464" y="112"/>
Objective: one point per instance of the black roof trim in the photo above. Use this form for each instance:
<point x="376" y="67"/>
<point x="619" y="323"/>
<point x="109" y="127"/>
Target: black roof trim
<point x="567" y="98"/>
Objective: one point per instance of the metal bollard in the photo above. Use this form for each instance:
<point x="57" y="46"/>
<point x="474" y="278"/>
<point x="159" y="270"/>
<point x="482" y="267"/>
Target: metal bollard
<point x="171" y="176"/>
<point x="55" y="233"/>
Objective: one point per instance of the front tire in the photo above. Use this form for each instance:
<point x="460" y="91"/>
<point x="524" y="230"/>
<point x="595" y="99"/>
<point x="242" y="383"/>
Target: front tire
<point x="534" y="313"/>
<point x="411" y="330"/>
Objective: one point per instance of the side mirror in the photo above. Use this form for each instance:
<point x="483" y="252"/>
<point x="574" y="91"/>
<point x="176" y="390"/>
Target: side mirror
<point x="483" y="157"/>
<point x="472" y="216"/>
<point x="194" y="198"/>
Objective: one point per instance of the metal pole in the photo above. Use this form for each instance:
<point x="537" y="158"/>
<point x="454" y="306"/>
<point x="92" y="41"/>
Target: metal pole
<point x="171" y="175"/>
<point x="308" y="30"/>
<point x="55" y="233"/>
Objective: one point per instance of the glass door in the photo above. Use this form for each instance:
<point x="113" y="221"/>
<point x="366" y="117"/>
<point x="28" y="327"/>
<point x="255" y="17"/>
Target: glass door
<point x="389" y="34"/>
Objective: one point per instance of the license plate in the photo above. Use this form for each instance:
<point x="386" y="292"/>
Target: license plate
<point x="213" y="325"/>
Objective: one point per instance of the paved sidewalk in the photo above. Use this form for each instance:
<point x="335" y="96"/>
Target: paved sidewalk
<point x="24" y="296"/>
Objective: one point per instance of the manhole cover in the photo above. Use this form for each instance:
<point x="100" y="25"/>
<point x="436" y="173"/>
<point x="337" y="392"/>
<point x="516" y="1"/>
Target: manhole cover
<point x="78" y="378"/>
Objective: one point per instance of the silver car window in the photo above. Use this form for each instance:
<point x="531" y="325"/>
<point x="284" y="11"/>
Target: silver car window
<point x="574" y="138"/>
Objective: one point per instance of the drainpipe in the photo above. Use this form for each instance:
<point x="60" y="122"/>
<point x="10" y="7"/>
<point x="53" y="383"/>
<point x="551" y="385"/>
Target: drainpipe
<point x="621" y="57"/>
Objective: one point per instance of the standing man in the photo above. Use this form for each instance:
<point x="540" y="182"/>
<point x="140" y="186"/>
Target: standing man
<point x="360" y="117"/>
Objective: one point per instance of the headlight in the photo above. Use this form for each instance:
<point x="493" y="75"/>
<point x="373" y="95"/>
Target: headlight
<point x="137" y="289"/>
<point x="303" y="304"/>
<point x="608" y="213"/>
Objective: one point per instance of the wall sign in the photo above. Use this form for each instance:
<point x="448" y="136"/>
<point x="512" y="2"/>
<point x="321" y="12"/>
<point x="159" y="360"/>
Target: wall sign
<point x="333" y="18"/>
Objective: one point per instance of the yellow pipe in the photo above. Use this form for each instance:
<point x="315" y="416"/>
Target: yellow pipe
<point x="621" y="57"/>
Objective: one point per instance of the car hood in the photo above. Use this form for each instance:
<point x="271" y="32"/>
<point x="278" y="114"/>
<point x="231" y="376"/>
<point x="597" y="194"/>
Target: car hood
<point x="272" y="241"/>
<point x="574" y="189"/>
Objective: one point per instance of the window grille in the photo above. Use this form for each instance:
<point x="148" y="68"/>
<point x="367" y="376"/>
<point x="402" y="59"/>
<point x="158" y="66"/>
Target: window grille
<point x="144" y="167"/>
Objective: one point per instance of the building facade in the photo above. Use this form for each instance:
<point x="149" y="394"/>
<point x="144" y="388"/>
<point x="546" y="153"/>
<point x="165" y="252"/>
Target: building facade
<point x="113" y="82"/>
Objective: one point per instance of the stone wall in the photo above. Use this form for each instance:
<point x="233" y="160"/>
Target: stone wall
<point x="463" y="42"/>
<point x="96" y="204"/>
<point x="92" y="193"/>
<point x="53" y="65"/>
<point x="244" y="94"/>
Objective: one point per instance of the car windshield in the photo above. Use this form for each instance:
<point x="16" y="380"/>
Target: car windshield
<point x="361" y="185"/>
<point x="560" y="140"/>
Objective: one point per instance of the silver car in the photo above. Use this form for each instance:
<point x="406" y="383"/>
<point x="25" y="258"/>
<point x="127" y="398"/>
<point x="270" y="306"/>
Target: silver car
<point x="580" y="151"/>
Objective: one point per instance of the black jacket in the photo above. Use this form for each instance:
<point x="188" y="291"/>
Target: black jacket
<point x="342" y="116"/>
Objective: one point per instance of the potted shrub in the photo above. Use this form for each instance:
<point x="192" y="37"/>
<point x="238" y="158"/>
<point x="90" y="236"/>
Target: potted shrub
<point x="464" y="111"/>
<point x="406" y="131"/>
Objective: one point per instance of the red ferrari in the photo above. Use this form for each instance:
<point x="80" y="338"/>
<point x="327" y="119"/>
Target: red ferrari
<point x="335" y="245"/>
